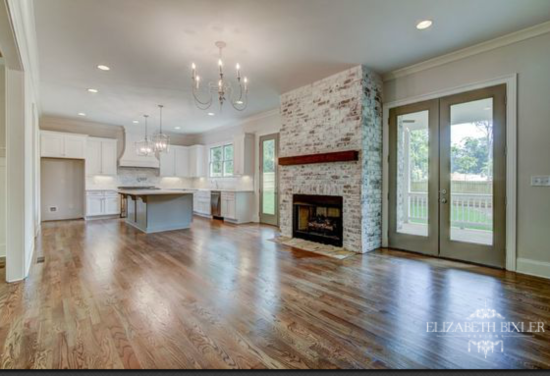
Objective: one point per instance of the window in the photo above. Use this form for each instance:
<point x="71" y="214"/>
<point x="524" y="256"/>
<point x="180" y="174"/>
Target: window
<point x="221" y="161"/>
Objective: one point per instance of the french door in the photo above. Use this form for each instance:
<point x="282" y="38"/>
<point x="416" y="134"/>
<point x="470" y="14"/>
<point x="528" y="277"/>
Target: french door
<point x="448" y="177"/>
<point x="269" y="180"/>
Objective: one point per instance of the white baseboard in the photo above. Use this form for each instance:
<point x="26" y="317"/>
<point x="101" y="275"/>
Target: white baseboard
<point x="533" y="267"/>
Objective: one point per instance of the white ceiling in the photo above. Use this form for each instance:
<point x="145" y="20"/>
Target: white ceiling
<point x="281" y="45"/>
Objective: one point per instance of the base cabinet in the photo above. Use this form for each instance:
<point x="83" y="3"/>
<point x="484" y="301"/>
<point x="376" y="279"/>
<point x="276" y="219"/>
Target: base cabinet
<point x="237" y="207"/>
<point x="201" y="203"/>
<point x="102" y="203"/>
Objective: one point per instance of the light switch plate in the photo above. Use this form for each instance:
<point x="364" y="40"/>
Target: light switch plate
<point x="540" y="181"/>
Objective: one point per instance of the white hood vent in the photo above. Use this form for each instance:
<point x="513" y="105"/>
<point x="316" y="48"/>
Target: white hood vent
<point x="130" y="158"/>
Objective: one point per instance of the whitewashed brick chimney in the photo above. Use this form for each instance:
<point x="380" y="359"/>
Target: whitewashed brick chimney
<point x="338" y="113"/>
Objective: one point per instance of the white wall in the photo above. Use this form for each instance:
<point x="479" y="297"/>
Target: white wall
<point x="259" y="125"/>
<point x="530" y="59"/>
<point x="2" y="160"/>
<point x="62" y="187"/>
<point x="18" y="45"/>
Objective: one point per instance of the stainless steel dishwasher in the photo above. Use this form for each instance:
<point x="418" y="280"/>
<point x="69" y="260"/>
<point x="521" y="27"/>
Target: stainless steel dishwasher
<point x="216" y="204"/>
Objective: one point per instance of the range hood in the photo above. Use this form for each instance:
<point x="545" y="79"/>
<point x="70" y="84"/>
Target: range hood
<point x="129" y="157"/>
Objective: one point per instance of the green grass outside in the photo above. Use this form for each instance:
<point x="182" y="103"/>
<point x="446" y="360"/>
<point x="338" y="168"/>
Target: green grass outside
<point x="484" y="222"/>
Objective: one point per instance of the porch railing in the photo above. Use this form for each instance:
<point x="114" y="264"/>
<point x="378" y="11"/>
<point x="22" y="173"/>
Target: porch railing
<point x="468" y="210"/>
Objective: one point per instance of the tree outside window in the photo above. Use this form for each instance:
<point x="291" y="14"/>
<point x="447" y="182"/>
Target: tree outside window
<point x="221" y="161"/>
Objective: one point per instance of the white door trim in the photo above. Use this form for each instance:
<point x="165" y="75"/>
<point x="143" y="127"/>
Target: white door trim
<point x="511" y="155"/>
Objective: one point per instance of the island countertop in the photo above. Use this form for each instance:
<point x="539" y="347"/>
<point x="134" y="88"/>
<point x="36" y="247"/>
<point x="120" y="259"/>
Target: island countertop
<point x="154" y="192"/>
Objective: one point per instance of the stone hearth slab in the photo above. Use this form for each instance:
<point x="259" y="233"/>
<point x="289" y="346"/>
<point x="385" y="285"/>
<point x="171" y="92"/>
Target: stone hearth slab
<point x="321" y="249"/>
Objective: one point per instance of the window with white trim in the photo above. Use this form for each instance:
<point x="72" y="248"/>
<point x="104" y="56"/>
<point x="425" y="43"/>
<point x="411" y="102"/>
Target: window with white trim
<point x="221" y="161"/>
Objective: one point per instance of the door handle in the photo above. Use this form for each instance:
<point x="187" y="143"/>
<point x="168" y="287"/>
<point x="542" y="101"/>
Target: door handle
<point x="443" y="200"/>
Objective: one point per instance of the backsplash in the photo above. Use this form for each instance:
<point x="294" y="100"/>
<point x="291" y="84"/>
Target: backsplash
<point x="243" y="183"/>
<point x="128" y="176"/>
<point x="137" y="177"/>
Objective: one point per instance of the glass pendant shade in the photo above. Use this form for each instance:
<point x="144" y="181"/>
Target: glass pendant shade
<point x="145" y="147"/>
<point x="161" y="141"/>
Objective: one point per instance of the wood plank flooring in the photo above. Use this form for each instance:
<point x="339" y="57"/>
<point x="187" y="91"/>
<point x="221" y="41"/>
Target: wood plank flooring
<point x="223" y="296"/>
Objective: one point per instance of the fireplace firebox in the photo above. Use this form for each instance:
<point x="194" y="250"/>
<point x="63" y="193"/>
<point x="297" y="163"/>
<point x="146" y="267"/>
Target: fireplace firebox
<point x="318" y="218"/>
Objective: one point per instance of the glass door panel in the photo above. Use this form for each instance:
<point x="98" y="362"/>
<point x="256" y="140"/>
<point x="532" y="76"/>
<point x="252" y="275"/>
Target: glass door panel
<point x="269" y="180"/>
<point x="413" y="177"/>
<point x="413" y="146"/>
<point x="473" y="176"/>
<point x="472" y="172"/>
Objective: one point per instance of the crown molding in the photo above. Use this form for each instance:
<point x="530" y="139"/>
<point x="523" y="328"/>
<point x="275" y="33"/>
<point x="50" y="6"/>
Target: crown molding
<point x="492" y="44"/>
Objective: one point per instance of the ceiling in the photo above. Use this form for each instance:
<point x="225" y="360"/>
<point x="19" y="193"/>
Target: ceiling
<point x="281" y="45"/>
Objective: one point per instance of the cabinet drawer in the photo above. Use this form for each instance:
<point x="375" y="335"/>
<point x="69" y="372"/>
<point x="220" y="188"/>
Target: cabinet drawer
<point x="228" y="195"/>
<point x="95" y="194"/>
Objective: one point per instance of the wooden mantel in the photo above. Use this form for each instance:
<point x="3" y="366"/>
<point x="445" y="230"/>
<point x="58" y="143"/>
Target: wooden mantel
<point x="339" y="156"/>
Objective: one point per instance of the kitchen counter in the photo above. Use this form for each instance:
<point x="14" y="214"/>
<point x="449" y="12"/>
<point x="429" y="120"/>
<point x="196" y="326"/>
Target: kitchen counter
<point x="155" y="192"/>
<point x="159" y="210"/>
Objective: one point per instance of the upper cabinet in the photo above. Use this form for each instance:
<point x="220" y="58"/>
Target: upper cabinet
<point x="243" y="158"/>
<point x="197" y="161"/>
<point x="183" y="162"/>
<point x="168" y="162"/>
<point x="181" y="158"/>
<point x="101" y="156"/>
<point x="62" y="145"/>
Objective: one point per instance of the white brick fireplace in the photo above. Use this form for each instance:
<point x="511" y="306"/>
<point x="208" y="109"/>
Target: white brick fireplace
<point x="340" y="113"/>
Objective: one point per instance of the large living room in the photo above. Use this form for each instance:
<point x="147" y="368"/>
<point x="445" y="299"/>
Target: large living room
<point x="254" y="184"/>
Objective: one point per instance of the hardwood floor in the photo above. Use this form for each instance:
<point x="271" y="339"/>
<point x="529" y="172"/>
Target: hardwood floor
<point x="224" y="296"/>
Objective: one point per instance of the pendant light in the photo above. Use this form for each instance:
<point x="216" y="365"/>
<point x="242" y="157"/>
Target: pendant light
<point x="145" y="148"/>
<point x="161" y="141"/>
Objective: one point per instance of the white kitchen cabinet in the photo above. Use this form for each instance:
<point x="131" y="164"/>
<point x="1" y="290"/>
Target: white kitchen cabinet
<point x="94" y="203"/>
<point x="62" y="145"/>
<point x="201" y="203"/>
<point x="101" y="156"/>
<point x="243" y="155"/>
<point x="168" y="162"/>
<point x="109" y="157"/>
<point x="197" y="161"/>
<point x="75" y="146"/>
<point x="111" y="204"/>
<point x="102" y="203"/>
<point x="237" y="207"/>
<point x="52" y="144"/>
<point x="182" y="161"/>
<point x="175" y="163"/>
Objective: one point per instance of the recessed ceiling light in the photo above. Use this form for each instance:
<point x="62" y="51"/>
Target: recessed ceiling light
<point x="103" y="67"/>
<point x="81" y="114"/>
<point x="177" y="128"/>
<point x="424" y="24"/>
<point x="211" y="114"/>
<point x="135" y="122"/>
<point x="239" y="102"/>
<point x="93" y="90"/>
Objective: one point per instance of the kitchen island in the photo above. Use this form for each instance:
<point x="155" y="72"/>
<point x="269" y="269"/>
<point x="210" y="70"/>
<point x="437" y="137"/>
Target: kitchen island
<point x="158" y="210"/>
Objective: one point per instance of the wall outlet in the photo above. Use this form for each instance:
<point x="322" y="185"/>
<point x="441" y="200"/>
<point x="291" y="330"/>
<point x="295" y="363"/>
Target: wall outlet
<point x="52" y="209"/>
<point x="540" y="181"/>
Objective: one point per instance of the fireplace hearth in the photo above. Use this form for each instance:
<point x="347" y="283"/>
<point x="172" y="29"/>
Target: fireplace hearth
<point x="318" y="218"/>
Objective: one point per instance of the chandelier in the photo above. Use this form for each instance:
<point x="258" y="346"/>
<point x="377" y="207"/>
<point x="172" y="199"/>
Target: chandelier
<point x="223" y="89"/>
<point x="145" y="148"/>
<point x="161" y="141"/>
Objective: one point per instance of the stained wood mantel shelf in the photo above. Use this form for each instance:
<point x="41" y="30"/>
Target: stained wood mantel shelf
<point x="339" y="156"/>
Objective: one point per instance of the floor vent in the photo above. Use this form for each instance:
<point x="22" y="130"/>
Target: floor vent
<point x="40" y="259"/>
